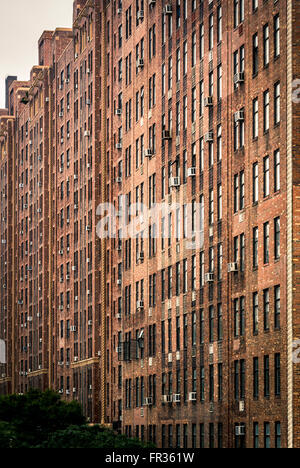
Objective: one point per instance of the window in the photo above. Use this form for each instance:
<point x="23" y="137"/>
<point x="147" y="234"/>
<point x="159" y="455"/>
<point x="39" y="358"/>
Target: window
<point x="277" y="238"/>
<point x="201" y="45"/>
<point x="276" y="171"/>
<point x="266" y="376"/>
<point x="278" y="435"/>
<point x="220" y="24"/>
<point x="266" y="243"/>
<point x="266" y="111"/>
<point x="266" y="176"/>
<point x="255" y="247"/>
<point x="220" y="382"/>
<point x="255" y="54"/>
<point x="255" y="313"/>
<point x="276" y="36"/>
<point x="277" y="375"/>
<point x="267" y="309"/>
<point x="239" y="12"/>
<point x="211" y="324"/>
<point x="255" y="378"/>
<point x="255" y="118"/>
<point x="211" y="383"/>
<point x="277" y="103"/>
<point x="255" y="183"/>
<point x="256" y="435"/>
<point x="220" y="322"/>
<point x="266" y="37"/>
<point x="277" y="307"/>
<point x="267" y="437"/>
<point x="211" y="32"/>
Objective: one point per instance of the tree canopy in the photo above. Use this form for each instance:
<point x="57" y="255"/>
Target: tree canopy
<point x="43" y="420"/>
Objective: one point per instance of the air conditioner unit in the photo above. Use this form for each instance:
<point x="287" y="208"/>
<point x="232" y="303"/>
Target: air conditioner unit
<point x="175" y="182"/>
<point x="61" y="307"/>
<point x="166" y="135"/>
<point x="61" y="252"/>
<point x="239" y="78"/>
<point x="29" y="319"/>
<point x="76" y="298"/>
<point x="140" y="15"/>
<point x="73" y="329"/>
<point x="148" y="401"/>
<point x="170" y="357"/>
<point x="87" y="133"/>
<point x="74" y="268"/>
<point x="119" y="316"/>
<point x="74" y="390"/>
<point x="61" y="114"/>
<point x="60" y="363"/>
<point x="119" y="180"/>
<point x="68" y="392"/>
<point x="242" y="406"/>
<point x="39" y="210"/>
<point x="209" y="137"/>
<point x="88" y="228"/>
<point x="61" y="392"/>
<point x="148" y="153"/>
<point x="119" y="11"/>
<point x="191" y="172"/>
<point x="21" y="185"/>
<point x="75" y="177"/>
<point x="119" y="146"/>
<point x="118" y="112"/>
<point x="140" y="304"/>
<point x="67" y="80"/>
<point x="88" y="102"/>
<point x="62" y="141"/>
<point x="140" y="63"/>
<point x="168" y="10"/>
<point x="233" y="268"/>
<point x="193" y="396"/>
<point x="177" y="398"/>
<point x="119" y="282"/>
<point x="209" y="278"/>
<point x="240" y="431"/>
<point x="208" y="101"/>
<point x="68" y="277"/>
<point x="167" y="398"/>
<point x="75" y="206"/>
<point x="88" y="70"/>
<point x="90" y="323"/>
<point x="76" y="359"/>
<point x="239" y="116"/>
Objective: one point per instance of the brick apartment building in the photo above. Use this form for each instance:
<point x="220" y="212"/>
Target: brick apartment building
<point x="184" y="343"/>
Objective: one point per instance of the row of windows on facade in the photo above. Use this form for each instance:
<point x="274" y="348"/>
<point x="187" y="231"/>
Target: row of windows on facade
<point x="239" y="254"/>
<point x="208" y="436"/>
<point x="185" y="380"/>
<point x="210" y="326"/>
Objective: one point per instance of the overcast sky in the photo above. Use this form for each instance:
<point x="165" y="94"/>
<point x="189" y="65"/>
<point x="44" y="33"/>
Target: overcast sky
<point x="22" y="22"/>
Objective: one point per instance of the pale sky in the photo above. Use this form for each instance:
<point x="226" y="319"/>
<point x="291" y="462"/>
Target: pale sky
<point x="22" y="22"/>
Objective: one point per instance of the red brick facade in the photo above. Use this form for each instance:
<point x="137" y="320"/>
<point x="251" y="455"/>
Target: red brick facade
<point x="174" y="345"/>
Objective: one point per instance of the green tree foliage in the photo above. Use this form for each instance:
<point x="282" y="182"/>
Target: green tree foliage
<point x="91" y="437"/>
<point x="36" y="415"/>
<point x="43" y="420"/>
